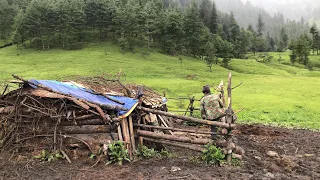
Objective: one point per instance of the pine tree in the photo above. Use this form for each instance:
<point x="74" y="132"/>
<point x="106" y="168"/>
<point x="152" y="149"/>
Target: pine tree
<point x="170" y="31"/>
<point x="75" y="22"/>
<point x="205" y="12"/>
<point x="127" y="25"/>
<point x="213" y="23"/>
<point x="317" y="42"/>
<point x="250" y="29"/>
<point x="193" y="27"/>
<point x="7" y="14"/>
<point x="260" y="26"/>
<point x="301" y="49"/>
<point x="149" y="16"/>
<point x="313" y="31"/>
<point x="283" y="40"/>
<point x="234" y="29"/>
<point x="20" y="33"/>
<point x="36" y="21"/>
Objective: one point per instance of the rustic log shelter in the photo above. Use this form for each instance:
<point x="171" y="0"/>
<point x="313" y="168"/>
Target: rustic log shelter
<point x="79" y="115"/>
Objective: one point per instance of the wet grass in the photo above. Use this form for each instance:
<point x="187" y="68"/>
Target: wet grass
<point x="272" y="93"/>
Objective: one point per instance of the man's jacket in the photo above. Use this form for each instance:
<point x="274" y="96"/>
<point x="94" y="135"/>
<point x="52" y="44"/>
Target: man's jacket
<point x="211" y="107"/>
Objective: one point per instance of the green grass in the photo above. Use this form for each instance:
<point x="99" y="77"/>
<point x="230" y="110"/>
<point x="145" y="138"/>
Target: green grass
<point x="273" y="93"/>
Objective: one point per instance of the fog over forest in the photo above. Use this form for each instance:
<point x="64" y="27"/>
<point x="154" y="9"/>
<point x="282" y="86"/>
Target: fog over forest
<point x="291" y="9"/>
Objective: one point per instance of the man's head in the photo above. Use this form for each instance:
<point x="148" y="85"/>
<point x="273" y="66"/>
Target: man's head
<point x="206" y="89"/>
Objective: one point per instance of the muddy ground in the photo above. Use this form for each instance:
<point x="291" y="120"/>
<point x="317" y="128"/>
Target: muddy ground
<point x="299" y="158"/>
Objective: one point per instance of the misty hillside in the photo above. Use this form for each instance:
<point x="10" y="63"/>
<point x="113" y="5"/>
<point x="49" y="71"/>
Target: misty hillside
<point x="247" y="13"/>
<point x="291" y="9"/>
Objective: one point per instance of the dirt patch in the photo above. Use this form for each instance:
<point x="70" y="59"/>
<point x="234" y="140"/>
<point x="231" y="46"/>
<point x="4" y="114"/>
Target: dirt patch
<point x="298" y="158"/>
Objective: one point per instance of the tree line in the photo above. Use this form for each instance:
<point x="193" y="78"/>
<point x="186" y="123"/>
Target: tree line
<point x="302" y="46"/>
<point x="194" y="28"/>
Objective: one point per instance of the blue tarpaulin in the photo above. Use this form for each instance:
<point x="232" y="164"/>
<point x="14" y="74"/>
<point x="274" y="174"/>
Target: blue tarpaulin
<point x="88" y="95"/>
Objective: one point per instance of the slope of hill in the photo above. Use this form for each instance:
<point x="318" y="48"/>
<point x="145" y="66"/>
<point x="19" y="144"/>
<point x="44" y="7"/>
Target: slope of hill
<point x="272" y="93"/>
<point x="247" y="13"/>
<point x="291" y="9"/>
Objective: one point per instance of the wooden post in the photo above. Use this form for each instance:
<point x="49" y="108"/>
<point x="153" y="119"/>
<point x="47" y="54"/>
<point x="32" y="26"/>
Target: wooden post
<point x="191" y="106"/>
<point x="140" y="138"/>
<point x="141" y="141"/>
<point x="229" y="91"/>
<point x="220" y="88"/>
<point x="133" y="143"/>
<point x="229" y="116"/>
<point x="120" y="133"/>
<point x="126" y="136"/>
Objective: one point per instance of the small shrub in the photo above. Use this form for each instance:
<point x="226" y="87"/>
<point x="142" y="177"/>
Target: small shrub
<point x="181" y="60"/>
<point x="117" y="153"/>
<point x="75" y="46"/>
<point x="293" y="58"/>
<point x="49" y="156"/>
<point x="236" y="162"/>
<point x="309" y="66"/>
<point x="213" y="155"/>
<point x="147" y="153"/>
<point x="225" y="62"/>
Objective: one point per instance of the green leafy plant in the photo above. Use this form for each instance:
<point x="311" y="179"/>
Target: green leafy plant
<point x="145" y="152"/>
<point x="49" y="156"/>
<point x="165" y="153"/>
<point x="195" y="159"/>
<point x="148" y="153"/>
<point x="117" y="153"/>
<point x="236" y="162"/>
<point x="213" y="155"/>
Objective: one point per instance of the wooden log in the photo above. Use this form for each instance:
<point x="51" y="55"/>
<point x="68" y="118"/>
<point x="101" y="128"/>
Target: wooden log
<point x="229" y="91"/>
<point x="237" y="156"/>
<point x="141" y="142"/>
<point x="133" y="143"/>
<point x="211" y="123"/>
<point x="165" y="124"/>
<point x="120" y="133"/>
<point x="177" y="129"/>
<point x="93" y="139"/>
<point x="173" y="138"/>
<point x="125" y="133"/>
<point x="86" y="129"/>
<point x="194" y="148"/>
<point x="220" y="87"/>
<point x="167" y="121"/>
<point x="83" y="117"/>
<point x="82" y="122"/>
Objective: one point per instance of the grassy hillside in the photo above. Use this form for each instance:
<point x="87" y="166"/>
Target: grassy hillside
<point x="272" y="93"/>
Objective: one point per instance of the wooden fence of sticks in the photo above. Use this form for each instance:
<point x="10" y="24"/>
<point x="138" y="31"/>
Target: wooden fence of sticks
<point x="152" y="133"/>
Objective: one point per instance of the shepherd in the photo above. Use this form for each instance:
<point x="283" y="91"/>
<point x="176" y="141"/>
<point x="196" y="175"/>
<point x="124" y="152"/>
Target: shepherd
<point x="211" y="108"/>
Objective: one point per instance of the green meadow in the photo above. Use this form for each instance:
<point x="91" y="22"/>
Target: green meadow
<point x="274" y="93"/>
